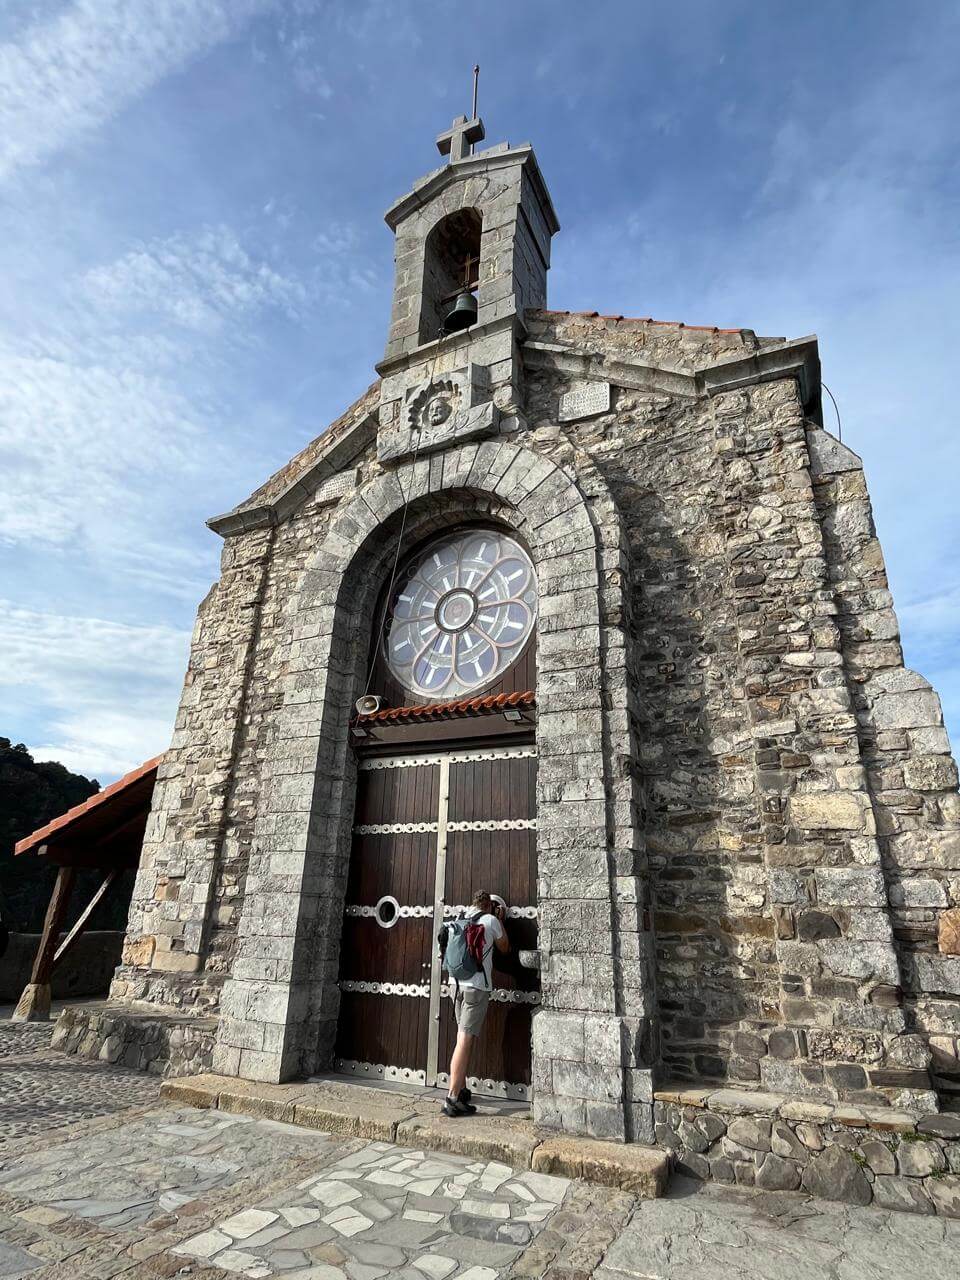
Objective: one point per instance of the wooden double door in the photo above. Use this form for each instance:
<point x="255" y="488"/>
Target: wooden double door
<point x="429" y="831"/>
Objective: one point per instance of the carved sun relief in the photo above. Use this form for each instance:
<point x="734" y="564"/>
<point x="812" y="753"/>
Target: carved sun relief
<point x="434" y="404"/>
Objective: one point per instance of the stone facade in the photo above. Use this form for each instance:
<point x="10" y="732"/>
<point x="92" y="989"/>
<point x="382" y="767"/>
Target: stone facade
<point x="860" y="1155"/>
<point x="749" y="828"/>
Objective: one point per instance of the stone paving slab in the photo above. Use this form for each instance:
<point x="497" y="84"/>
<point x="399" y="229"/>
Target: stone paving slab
<point x="411" y="1120"/>
<point x="174" y="1190"/>
<point x="643" y="1171"/>
<point x="701" y="1231"/>
<point x="483" y="1137"/>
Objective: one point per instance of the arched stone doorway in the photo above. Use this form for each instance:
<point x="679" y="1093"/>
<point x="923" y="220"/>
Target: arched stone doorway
<point x="446" y="806"/>
<point x="284" y="993"/>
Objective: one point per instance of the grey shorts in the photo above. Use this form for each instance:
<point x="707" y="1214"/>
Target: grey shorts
<point x="470" y="1008"/>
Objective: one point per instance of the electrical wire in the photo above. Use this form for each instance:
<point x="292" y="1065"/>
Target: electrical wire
<point x="835" y="409"/>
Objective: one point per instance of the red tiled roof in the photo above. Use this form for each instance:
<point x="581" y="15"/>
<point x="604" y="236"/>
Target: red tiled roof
<point x="673" y="324"/>
<point x="448" y="710"/>
<point x="42" y="834"/>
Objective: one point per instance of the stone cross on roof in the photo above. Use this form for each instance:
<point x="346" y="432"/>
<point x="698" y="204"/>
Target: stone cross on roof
<point x="460" y="137"/>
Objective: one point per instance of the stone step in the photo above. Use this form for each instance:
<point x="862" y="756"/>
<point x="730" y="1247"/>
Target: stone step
<point x="387" y="1116"/>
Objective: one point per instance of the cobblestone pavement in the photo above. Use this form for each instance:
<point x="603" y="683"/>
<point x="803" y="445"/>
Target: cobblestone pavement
<point x="41" y="1089"/>
<point x="19" y="1038"/>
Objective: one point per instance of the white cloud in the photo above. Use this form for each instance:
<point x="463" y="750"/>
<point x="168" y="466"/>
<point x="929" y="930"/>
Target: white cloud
<point x="112" y="406"/>
<point x="83" y="443"/>
<point x="56" y="653"/>
<point x="104" y="746"/>
<point x="933" y="616"/>
<point x="108" y="690"/>
<point x="201" y="282"/>
<point x="64" y="77"/>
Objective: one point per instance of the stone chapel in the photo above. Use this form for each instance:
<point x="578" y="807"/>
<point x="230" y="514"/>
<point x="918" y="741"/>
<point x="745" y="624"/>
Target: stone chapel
<point x="589" y="612"/>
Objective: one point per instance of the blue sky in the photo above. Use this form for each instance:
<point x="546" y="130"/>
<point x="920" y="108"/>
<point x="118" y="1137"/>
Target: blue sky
<point x="197" y="274"/>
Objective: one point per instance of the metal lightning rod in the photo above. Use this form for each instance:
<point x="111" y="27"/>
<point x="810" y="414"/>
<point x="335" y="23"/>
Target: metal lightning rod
<point x="473" y="113"/>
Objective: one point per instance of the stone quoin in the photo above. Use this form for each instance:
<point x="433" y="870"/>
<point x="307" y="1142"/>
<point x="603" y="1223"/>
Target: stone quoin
<point x="743" y="836"/>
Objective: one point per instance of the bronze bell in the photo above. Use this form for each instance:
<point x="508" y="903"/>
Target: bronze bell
<point x="462" y="314"/>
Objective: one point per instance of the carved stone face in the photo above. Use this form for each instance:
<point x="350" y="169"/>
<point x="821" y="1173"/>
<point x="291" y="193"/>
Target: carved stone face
<point x="438" y="410"/>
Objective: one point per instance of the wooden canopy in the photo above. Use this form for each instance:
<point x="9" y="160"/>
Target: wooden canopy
<point x="106" y="832"/>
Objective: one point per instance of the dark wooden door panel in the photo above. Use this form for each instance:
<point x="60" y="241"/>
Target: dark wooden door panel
<point x="501" y="862"/>
<point x="484" y="831"/>
<point x="486" y="789"/>
<point x="383" y="1030"/>
<point x="372" y="954"/>
<point x="401" y="865"/>
<point x="397" y="795"/>
<point x="502" y="1051"/>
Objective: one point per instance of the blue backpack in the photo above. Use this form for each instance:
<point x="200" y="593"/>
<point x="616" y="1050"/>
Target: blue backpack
<point x="462" y="948"/>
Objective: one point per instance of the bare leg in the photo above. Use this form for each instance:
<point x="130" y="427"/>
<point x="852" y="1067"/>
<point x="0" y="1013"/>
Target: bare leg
<point x="459" y="1062"/>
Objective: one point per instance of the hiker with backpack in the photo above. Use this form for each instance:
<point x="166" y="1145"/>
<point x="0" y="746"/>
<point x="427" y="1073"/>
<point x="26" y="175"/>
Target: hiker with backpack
<point x="467" y="946"/>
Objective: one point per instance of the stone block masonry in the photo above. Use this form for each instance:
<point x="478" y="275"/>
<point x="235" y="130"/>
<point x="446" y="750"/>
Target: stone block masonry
<point x="748" y="838"/>
<point x="753" y="887"/>
<point x="860" y="1155"/>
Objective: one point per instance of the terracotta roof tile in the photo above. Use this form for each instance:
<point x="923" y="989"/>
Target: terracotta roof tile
<point x="39" y="836"/>
<point x="673" y="324"/>
<point x="448" y="710"/>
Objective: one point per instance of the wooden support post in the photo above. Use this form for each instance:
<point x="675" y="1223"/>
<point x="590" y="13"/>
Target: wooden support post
<point x="84" y="917"/>
<point x="34" y="1004"/>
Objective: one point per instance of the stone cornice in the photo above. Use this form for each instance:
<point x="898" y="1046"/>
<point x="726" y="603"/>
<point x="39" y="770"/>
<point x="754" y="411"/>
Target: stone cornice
<point x="451" y="341"/>
<point x="342" y="450"/>
<point x="797" y="359"/>
<point x="597" y="366"/>
<point x="483" y="162"/>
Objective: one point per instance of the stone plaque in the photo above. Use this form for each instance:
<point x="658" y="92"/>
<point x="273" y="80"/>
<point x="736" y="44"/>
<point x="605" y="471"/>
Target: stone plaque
<point x="336" y="487"/>
<point x="585" y="400"/>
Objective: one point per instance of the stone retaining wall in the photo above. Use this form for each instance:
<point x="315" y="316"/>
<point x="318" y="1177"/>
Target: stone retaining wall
<point x="162" y="1044"/>
<point x="860" y="1155"/>
<point x="86" y="970"/>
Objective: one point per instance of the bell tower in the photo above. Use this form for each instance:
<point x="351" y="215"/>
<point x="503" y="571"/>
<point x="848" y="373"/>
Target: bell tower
<point x="472" y="251"/>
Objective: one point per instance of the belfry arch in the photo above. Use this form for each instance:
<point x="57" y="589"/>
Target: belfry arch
<point x="451" y="265"/>
<point x="284" y="989"/>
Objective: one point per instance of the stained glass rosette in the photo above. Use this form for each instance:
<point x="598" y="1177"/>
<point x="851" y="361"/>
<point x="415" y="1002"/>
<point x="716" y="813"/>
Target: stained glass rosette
<point x="462" y="612"/>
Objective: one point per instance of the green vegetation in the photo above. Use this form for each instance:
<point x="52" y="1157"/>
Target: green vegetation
<point x="31" y="794"/>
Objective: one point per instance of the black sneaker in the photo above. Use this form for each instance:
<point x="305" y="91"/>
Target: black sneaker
<point x="454" y="1107"/>
<point x="465" y="1096"/>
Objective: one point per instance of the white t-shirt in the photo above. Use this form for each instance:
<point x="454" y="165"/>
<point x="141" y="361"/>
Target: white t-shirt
<point x="492" y="930"/>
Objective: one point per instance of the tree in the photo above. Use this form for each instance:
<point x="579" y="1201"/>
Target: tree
<point x="31" y="794"/>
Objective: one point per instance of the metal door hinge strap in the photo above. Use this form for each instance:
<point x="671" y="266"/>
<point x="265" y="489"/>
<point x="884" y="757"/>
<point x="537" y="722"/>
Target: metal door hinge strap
<point x="459" y="757"/>
<point x="426" y="913"/>
<point x="422" y="989"/>
<point x="416" y="828"/>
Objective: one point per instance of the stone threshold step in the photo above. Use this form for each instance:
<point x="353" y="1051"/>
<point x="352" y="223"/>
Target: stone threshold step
<point x="361" y="1112"/>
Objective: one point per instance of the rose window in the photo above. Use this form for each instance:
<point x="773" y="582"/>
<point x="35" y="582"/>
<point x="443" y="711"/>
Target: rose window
<point x="461" y="613"/>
